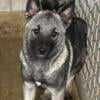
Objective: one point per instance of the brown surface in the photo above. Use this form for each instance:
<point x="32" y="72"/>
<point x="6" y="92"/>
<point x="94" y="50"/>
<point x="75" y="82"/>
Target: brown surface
<point x="10" y="81"/>
<point x="11" y="29"/>
<point x="11" y="24"/>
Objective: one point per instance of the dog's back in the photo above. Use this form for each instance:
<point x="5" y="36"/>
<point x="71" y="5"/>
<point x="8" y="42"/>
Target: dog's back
<point x="77" y="33"/>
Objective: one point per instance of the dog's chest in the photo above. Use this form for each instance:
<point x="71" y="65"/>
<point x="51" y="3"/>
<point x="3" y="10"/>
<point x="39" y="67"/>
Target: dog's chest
<point x="51" y="72"/>
<point x="45" y="77"/>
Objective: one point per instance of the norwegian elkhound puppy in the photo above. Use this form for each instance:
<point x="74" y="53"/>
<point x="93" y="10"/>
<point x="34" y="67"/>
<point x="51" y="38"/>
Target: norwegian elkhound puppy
<point x="51" y="55"/>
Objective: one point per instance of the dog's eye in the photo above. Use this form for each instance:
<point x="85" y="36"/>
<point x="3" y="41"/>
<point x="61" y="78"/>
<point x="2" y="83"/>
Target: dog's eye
<point x="54" y="35"/>
<point x="36" y="31"/>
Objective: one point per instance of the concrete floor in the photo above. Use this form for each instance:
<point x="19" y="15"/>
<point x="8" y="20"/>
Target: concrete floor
<point x="11" y="27"/>
<point x="10" y="45"/>
<point x="10" y="81"/>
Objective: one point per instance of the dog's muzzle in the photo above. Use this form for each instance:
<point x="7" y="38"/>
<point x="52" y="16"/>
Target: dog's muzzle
<point x="42" y="51"/>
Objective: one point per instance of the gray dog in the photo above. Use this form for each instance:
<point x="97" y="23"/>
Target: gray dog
<point x="51" y="56"/>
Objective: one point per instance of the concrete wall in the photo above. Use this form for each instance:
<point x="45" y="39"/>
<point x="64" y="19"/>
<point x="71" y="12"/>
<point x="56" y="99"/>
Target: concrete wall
<point x="12" y="5"/>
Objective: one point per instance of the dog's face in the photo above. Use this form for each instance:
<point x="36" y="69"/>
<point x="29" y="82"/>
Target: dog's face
<point x="45" y="35"/>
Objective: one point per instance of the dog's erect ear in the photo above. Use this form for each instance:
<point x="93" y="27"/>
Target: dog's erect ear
<point x="67" y="12"/>
<point x="31" y="8"/>
<point x="66" y="16"/>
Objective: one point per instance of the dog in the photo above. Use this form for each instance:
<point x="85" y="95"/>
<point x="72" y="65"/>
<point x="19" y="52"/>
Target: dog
<point x="51" y="55"/>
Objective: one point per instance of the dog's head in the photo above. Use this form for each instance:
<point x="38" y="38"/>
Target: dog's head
<point x="44" y="35"/>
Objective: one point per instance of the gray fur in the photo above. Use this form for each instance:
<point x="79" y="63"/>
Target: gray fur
<point x="55" y="69"/>
<point x="49" y="73"/>
<point x="49" y="69"/>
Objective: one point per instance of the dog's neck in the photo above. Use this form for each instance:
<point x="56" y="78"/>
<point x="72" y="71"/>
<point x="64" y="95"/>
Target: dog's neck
<point x="58" y="61"/>
<point x="51" y="64"/>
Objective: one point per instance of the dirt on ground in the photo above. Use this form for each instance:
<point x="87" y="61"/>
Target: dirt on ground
<point x="12" y="24"/>
<point x="11" y="32"/>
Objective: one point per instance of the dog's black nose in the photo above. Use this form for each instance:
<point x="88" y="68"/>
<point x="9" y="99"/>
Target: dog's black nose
<point x="42" y="51"/>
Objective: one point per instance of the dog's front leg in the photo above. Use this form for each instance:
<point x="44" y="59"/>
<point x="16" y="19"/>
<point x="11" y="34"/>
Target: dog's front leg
<point x="29" y="90"/>
<point x="57" y="95"/>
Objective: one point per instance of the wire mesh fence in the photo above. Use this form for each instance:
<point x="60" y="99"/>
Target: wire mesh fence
<point x="88" y="80"/>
